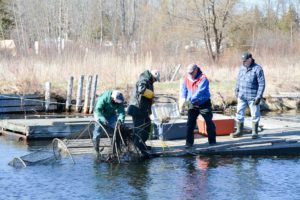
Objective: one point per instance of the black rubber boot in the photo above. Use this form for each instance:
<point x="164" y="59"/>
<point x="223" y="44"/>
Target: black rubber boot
<point x="239" y="130"/>
<point x="96" y="147"/>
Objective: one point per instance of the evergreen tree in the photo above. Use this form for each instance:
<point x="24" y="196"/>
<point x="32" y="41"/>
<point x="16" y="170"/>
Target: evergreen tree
<point x="6" y="20"/>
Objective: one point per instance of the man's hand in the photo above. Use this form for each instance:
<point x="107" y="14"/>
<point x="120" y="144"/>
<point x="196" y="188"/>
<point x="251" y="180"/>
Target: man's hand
<point x="105" y="123"/>
<point x="236" y="92"/>
<point x="257" y="101"/>
<point x="181" y="105"/>
<point x="193" y="106"/>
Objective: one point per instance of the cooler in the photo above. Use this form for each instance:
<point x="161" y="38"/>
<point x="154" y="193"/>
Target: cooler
<point x="224" y="124"/>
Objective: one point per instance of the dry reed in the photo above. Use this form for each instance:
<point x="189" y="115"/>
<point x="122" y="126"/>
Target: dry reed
<point x="28" y="74"/>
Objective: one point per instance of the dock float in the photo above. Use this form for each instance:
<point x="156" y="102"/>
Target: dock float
<point x="48" y="128"/>
<point x="26" y="129"/>
<point x="12" y="103"/>
<point x="276" y="138"/>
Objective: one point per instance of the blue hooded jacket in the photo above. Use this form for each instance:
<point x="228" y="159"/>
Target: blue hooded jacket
<point x="196" y="90"/>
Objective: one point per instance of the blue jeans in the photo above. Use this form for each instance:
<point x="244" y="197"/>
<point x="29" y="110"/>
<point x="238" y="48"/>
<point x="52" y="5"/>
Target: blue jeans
<point x="206" y="112"/>
<point x="98" y="130"/>
<point x="241" y="110"/>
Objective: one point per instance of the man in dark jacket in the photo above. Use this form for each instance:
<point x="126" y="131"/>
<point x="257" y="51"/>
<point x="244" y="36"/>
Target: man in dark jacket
<point x="249" y="91"/>
<point x="109" y="109"/>
<point x="195" y="91"/>
<point x="140" y="107"/>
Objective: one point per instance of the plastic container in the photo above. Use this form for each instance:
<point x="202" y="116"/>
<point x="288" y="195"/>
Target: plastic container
<point x="168" y="124"/>
<point x="174" y="129"/>
<point x="224" y="124"/>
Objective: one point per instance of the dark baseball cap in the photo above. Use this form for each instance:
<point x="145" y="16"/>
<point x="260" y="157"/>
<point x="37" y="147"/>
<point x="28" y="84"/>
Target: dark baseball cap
<point x="191" y="68"/>
<point x="246" y="55"/>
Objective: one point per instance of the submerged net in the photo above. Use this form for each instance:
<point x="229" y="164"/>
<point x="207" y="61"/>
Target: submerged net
<point x="116" y="145"/>
<point x="50" y="154"/>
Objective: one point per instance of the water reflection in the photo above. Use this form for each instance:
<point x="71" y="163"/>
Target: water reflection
<point x="247" y="177"/>
<point x="121" y="180"/>
<point x="196" y="181"/>
<point x="213" y="177"/>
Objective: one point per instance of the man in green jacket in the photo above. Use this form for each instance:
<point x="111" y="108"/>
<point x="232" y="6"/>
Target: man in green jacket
<point x="109" y="109"/>
<point x="140" y="108"/>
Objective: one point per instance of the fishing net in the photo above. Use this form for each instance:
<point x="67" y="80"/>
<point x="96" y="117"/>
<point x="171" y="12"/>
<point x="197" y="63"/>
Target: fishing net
<point x="50" y="154"/>
<point x="116" y="145"/>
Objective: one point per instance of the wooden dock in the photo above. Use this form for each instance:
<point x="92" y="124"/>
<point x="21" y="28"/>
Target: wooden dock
<point x="43" y="128"/>
<point x="46" y="128"/>
<point x="12" y="103"/>
<point x="277" y="138"/>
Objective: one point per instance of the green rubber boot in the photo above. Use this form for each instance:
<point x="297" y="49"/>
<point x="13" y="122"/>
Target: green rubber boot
<point x="254" y="130"/>
<point x="239" y="130"/>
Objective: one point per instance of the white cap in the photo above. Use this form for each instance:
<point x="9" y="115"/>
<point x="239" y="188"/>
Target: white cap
<point x="156" y="74"/>
<point x="117" y="96"/>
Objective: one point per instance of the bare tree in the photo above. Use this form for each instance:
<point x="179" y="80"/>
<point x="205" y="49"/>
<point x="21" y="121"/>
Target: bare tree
<point x="212" y="17"/>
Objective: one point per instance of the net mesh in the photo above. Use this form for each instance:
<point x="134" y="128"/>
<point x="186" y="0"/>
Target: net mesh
<point x="49" y="154"/>
<point x="116" y="145"/>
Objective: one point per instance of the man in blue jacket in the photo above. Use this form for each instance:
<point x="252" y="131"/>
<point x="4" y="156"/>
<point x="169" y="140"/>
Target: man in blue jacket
<point x="249" y="91"/>
<point x="195" y="91"/>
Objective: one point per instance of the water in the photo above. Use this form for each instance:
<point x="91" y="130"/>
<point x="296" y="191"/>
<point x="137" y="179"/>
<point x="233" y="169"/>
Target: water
<point x="157" y="178"/>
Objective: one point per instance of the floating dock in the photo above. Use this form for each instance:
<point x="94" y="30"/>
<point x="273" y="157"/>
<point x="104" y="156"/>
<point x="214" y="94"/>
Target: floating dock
<point x="26" y="129"/>
<point x="46" y="128"/>
<point x="12" y="103"/>
<point x="277" y="136"/>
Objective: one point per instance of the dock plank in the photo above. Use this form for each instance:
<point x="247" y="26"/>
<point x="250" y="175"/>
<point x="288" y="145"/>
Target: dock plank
<point x="45" y="128"/>
<point x="277" y="136"/>
<point x="13" y="103"/>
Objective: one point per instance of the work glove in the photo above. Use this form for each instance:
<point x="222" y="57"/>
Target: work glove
<point x="192" y="106"/>
<point x="105" y="123"/>
<point x="257" y="101"/>
<point x="149" y="94"/>
<point x="236" y="93"/>
<point x="181" y="104"/>
<point x="120" y="121"/>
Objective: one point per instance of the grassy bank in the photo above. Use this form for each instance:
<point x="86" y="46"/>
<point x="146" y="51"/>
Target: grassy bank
<point x="25" y="75"/>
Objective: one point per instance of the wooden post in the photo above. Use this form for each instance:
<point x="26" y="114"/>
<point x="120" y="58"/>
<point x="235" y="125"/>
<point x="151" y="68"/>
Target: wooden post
<point x="47" y="95"/>
<point x="69" y="94"/>
<point x="87" y="95"/>
<point x="176" y="71"/>
<point x="36" y="47"/>
<point x="79" y="94"/>
<point x="93" y="94"/>
<point x="180" y="99"/>
<point x="180" y="87"/>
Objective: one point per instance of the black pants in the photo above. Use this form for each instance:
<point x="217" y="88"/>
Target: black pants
<point x="142" y="127"/>
<point x="206" y="112"/>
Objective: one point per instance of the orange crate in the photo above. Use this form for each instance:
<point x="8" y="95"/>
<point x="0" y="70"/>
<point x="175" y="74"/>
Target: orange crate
<point x="224" y="124"/>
